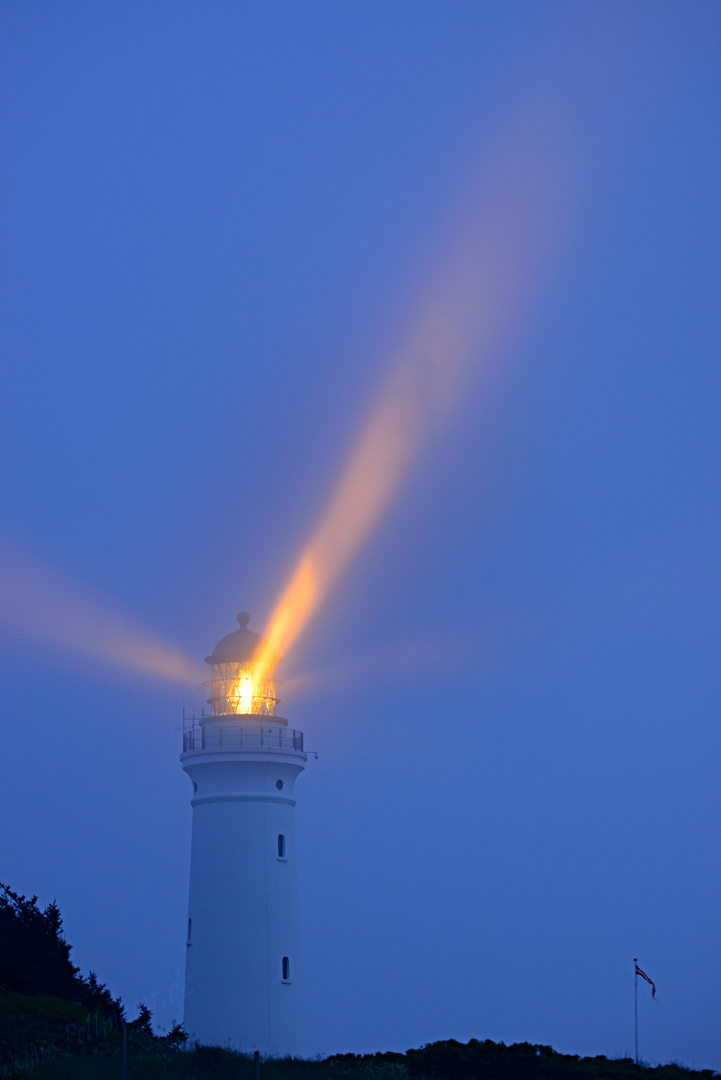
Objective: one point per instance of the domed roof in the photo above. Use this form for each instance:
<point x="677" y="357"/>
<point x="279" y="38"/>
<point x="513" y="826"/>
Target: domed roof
<point x="241" y="646"/>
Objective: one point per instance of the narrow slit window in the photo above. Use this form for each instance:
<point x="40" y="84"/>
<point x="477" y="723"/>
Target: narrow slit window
<point x="190" y="929"/>
<point x="281" y="846"/>
<point x="285" y="967"/>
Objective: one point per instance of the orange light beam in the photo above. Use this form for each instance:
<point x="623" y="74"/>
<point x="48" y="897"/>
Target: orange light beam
<point x="40" y="606"/>
<point x="463" y="315"/>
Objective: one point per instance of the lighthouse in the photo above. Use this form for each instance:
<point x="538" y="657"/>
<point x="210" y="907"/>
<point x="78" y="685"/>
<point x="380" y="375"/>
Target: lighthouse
<point x="243" y="977"/>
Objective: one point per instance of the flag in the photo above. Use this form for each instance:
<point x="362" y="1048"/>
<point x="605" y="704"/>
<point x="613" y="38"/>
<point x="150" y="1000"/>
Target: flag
<point x="645" y="976"/>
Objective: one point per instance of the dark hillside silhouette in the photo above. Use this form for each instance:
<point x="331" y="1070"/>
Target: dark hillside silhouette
<point x="59" y="1025"/>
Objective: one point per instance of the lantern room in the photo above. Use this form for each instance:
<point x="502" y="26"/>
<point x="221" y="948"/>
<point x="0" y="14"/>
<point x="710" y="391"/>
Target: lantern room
<point x="242" y="674"/>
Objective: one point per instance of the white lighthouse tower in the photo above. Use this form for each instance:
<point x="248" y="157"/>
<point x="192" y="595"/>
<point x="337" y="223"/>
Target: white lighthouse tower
<point x="243" y="986"/>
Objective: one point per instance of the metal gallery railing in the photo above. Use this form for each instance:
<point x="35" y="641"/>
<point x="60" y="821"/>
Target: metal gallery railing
<point x="241" y="737"/>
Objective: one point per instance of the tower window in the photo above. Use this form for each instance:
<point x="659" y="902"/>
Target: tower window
<point x="190" y="929"/>
<point x="279" y="785"/>
<point x="281" y="846"/>
<point x="285" y="969"/>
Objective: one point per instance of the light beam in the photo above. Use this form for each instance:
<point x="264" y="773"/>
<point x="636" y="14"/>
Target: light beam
<point x="464" y="312"/>
<point x="39" y="605"/>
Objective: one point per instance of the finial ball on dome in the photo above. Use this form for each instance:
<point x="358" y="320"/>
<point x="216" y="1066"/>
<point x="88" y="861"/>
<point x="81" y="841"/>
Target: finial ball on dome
<point x="243" y="618"/>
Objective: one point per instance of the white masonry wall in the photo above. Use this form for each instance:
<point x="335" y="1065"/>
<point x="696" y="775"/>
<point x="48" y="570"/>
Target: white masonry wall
<point x="243" y="910"/>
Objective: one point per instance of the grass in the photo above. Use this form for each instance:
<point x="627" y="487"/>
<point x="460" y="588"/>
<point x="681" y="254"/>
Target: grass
<point x="46" y="1038"/>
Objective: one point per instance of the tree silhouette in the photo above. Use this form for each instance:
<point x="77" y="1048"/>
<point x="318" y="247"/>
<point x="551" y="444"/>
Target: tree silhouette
<point x="35" y="957"/>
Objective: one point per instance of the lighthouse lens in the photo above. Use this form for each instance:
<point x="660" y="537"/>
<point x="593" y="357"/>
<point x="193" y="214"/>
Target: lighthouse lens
<point x="241" y="689"/>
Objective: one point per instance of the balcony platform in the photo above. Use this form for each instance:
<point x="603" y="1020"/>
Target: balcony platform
<point x="234" y="733"/>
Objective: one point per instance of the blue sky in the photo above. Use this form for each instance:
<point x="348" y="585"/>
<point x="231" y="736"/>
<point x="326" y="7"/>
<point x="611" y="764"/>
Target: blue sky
<point x="213" y="216"/>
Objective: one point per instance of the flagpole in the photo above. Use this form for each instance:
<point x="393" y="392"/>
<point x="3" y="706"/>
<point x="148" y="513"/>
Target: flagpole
<point x="635" y="1002"/>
